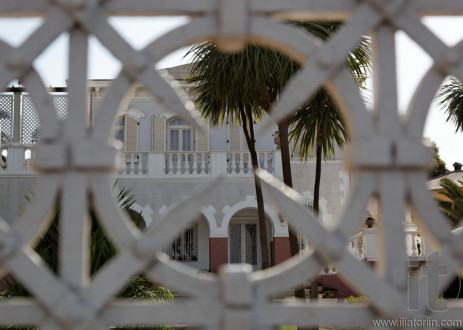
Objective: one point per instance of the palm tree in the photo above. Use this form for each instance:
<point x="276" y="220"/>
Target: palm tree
<point x="253" y="79"/>
<point x="451" y="100"/>
<point x="452" y="205"/>
<point x="319" y="124"/>
<point x="224" y="90"/>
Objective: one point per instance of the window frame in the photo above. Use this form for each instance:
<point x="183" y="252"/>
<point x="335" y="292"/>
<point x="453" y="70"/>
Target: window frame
<point x="177" y="248"/>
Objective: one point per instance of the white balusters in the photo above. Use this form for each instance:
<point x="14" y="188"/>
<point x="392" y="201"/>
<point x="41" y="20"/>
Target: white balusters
<point x="203" y="164"/>
<point x="241" y="169"/>
<point x="195" y="164"/>
<point x="186" y="164"/>
<point x="239" y="163"/>
<point x="168" y="163"/>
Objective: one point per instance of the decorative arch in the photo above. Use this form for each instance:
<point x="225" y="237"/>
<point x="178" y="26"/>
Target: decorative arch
<point x="207" y="212"/>
<point x="280" y="229"/>
<point x="146" y="213"/>
<point x="134" y="113"/>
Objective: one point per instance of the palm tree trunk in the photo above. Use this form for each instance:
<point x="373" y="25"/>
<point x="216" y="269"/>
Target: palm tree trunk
<point x="283" y="129"/>
<point x="251" y="142"/>
<point x="316" y="196"/>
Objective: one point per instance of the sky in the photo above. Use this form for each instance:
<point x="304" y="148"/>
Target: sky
<point x="412" y="63"/>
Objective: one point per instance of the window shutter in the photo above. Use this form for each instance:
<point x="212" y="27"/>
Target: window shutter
<point x="131" y="135"/>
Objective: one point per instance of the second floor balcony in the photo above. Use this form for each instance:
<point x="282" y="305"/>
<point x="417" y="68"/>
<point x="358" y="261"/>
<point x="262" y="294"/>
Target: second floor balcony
<point x="19" y="159"/>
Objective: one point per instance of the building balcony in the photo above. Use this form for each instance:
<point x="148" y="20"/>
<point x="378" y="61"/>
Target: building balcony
<point x="364" y="244"/>
<point x="19" y="159"/>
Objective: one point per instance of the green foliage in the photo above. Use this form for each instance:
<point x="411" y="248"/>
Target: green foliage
<point x="320" y="116"/>
<point x="320" y="121"/>
<point x="140" y="288"/>
<point x="253" y="78"/>
<point x="450" y="98"/>
<point x="453" y="206"/>
<point x="355" y="299"/>
<point x="223" y="83"/>
<point x="438" y="164"/>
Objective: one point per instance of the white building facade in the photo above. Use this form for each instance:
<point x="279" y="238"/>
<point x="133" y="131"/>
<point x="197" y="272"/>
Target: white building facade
<point x="165" y="159"/>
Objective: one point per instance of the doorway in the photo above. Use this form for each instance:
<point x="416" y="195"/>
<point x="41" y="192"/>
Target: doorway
<point x="244" y="238"/>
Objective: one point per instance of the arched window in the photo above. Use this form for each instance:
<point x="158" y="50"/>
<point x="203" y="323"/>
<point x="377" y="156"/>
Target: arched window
<point x="179" y="135"/>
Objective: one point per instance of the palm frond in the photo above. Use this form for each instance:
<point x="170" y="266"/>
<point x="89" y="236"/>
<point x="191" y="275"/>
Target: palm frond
<point x="452" y="204"/>
<point x="321" y="110"/>
<point x="450" y="98"/>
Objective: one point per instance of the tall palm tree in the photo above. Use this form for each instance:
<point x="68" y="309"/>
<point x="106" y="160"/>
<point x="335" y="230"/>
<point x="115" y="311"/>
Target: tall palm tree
<point x="319" y="127"/>
<point x="255" y="78"/>
<point x="452" y="206"/>
<point x="450" y="98"/>
<point x="319" y="124"/>
<point x="224" y="90"/>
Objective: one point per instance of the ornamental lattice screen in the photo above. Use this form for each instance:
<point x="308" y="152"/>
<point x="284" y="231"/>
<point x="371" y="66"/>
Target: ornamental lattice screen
<point x="74" y="163"/>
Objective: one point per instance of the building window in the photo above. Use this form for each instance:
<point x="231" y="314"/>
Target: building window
<point x="180" y="135"/>
<point x="185" y="246"/>
<point x="120" y="128"/>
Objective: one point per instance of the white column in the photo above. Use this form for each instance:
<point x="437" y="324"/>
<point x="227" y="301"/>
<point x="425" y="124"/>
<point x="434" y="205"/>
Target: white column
<point x="369" y="244"/>
<point x="156" y="165"/>
<point x="218" y="163"/>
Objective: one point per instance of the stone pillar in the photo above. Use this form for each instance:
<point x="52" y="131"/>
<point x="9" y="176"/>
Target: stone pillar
<point x="156" y="165"/>
<point x="218" y="163"/>
<point x="369" y="244"/>
<point x="278" y="172"/>
<point x="218" y="252"/>
<point x="15" y="161"/>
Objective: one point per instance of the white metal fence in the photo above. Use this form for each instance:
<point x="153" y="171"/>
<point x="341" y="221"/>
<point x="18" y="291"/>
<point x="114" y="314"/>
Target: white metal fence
<point x="75" y="162"/>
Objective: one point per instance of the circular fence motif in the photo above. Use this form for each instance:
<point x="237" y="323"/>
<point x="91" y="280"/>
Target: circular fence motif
<point x="75" y="164"/>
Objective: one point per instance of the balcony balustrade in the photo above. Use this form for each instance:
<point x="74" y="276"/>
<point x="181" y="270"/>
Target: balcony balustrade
<point x="19" y="161"/>
<point x="363" y="245"/>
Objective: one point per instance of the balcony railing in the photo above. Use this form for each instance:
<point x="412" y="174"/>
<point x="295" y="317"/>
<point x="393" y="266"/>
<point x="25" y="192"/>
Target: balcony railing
<point x="187" y="163"/>
<point x="161" y="165"/>
<point x="16" y="160"/>
<point x="364" y="244"/>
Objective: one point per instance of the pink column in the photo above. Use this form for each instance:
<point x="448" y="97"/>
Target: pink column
<point x="281" y="251"/>
<point x="218" y="252"/>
